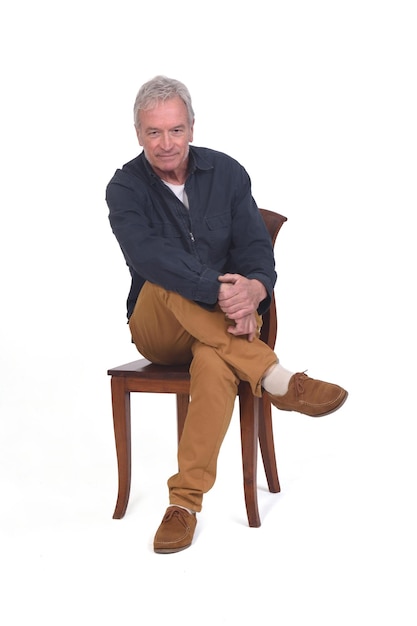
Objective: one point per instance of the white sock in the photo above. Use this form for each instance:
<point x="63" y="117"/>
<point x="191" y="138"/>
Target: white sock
<point x="276" y="380"/>
<point x="183" y="507"/>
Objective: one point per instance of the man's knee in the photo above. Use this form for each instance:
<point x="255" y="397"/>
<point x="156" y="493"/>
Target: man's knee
<point x="208" y="364"/>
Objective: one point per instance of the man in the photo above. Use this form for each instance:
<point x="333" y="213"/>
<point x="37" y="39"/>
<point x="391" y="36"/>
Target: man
<point x="203" y="272"/>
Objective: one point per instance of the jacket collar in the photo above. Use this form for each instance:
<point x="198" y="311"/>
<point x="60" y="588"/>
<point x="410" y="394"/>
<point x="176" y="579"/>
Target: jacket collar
<point x="196" y="162"/>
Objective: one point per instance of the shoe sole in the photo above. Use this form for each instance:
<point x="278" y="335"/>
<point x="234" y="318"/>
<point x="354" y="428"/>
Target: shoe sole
<point x="170" y="550"/>
<point x="341" y="403"/>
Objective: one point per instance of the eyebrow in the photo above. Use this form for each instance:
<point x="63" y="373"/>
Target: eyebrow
<point x="151" y="128"/>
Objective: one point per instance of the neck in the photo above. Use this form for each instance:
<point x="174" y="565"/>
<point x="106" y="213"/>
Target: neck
<point x="174" y="178"/>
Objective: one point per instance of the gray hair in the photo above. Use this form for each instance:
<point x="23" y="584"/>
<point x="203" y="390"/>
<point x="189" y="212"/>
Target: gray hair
<point x="159" y="89"/>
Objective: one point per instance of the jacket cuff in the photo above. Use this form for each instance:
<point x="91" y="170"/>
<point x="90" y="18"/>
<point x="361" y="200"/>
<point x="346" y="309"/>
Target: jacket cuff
<point x="208" y="286"/>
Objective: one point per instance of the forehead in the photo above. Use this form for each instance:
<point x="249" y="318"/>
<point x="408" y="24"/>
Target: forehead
<point x="166" y="113"/>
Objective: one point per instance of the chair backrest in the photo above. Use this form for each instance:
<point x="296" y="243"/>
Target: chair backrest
<point x="273" y="222"/>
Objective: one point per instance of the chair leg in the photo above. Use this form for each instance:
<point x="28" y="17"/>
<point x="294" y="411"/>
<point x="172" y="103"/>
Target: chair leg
<point x="183" y="400"/>
<point x="266" y="442"/>
<point x="249" y="423"/>
<point x="122" y="433"/>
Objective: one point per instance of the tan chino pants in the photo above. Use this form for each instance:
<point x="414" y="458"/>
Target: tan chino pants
<point x="166" y="329"/>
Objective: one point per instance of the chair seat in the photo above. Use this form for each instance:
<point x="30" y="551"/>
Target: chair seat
<point x="142" y="368"/>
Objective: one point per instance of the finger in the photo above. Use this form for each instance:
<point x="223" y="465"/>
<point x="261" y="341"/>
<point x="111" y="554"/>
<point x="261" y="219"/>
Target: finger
<point x="228" y="278"/>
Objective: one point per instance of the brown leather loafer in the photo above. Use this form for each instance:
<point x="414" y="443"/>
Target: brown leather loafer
<point x="309" y="396"/>
<point x="175" y="532"/>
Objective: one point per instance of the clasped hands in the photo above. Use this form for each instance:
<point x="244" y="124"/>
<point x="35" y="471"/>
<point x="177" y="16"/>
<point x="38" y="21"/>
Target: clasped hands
<point x="239" y="298"/>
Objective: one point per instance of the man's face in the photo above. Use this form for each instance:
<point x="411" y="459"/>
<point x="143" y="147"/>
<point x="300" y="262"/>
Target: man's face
<point x="164" y="133"/>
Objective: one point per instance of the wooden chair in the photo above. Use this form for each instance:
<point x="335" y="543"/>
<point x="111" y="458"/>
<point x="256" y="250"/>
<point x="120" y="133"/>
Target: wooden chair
<point x="255" y="413"/>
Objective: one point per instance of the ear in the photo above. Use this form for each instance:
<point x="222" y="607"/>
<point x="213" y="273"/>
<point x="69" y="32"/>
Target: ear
<point x="191" y="131"/>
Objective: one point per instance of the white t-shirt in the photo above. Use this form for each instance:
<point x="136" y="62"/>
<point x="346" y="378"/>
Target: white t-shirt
<point x="179" y="192"/>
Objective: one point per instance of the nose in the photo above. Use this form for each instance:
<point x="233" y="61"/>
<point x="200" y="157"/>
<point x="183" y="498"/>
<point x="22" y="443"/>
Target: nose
<point x="166" y="141"/>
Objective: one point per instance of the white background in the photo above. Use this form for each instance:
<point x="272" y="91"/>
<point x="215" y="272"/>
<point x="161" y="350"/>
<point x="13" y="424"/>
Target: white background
<point x="318" y="100"/>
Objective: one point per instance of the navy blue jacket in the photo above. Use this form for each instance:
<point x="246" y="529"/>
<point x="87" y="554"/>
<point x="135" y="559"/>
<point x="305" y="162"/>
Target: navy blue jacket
<point x="186" y="250"/>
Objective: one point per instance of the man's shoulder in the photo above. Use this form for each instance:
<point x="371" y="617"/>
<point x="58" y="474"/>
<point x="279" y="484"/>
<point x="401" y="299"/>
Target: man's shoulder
<point x="130" y="171"/>
<point x="135" y="166"/>
<point x="208" y="157"/>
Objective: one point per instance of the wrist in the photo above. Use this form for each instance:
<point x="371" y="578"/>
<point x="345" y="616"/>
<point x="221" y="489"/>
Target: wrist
<point x="262" y="292"/>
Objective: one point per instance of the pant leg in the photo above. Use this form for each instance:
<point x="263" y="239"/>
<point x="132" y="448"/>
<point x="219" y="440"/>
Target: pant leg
<point x="213" y="393"/>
